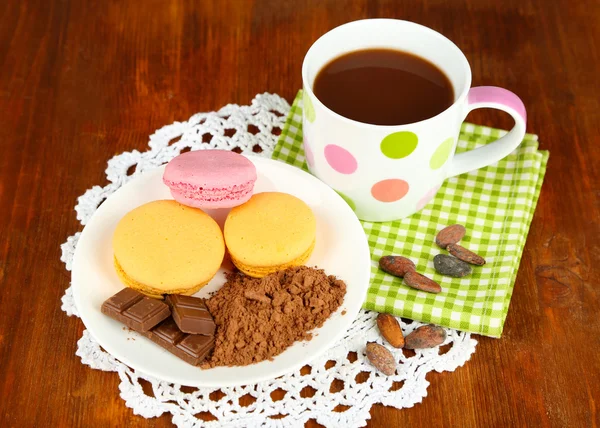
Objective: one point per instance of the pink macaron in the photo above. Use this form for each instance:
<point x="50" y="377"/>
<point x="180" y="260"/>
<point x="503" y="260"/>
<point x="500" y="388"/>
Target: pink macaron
<point x="210" y="179"/>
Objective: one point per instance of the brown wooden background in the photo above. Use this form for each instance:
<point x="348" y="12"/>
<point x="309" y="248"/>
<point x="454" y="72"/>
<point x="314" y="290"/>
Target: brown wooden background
<point x="83" y="80"/>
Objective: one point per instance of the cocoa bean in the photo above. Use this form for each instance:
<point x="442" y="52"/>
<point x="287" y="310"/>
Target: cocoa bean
<point x="450" y="235"/>
<point x="421" y="282"/>
<point x="426" y="336"/>
<point x="465" y="255"/>
<point x="381" y="358"/>
<point x="390" y="329"/>
<point x="396" y="265"/>
<point x="451" y="266"/>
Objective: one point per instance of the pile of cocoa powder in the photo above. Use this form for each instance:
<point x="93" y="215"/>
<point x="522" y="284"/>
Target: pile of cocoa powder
<point x="258" y="319"/>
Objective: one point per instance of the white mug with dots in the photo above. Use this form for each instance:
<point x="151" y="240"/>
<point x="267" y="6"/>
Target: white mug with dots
<point x="390" y="171"/>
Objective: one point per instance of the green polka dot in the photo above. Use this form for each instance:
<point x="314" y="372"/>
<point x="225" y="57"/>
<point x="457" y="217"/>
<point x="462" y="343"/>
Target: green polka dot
<point x="349" y="201"/>
<point x="399" y="144"/>
<point x="441" y="154"/>
<point x="309" y="110"/>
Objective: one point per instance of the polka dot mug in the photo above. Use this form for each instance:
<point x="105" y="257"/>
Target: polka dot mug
<point x="390" y="172"/>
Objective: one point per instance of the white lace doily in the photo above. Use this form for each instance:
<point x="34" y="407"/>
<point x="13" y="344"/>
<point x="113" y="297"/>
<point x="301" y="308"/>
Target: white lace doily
<point x="338" y="389"/>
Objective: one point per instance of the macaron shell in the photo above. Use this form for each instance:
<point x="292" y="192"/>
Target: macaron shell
<point x="210" y="178"/>
<point x="165" y="247"/>
<point x="271" y="229"/>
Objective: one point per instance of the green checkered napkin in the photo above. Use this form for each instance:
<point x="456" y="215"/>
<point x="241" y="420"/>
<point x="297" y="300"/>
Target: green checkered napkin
<point x="495" y="204"/>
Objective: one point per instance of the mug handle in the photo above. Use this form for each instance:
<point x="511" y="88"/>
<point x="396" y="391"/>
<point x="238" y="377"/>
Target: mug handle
<point x="501" y="99"/>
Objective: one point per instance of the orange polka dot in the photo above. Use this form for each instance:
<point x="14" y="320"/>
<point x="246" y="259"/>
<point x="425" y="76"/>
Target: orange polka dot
<point x="390" y="190"/>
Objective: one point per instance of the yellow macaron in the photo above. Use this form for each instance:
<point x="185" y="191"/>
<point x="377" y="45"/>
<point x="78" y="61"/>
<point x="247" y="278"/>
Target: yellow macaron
<point x="270" y="232"/>
<point x="164" y="247"/>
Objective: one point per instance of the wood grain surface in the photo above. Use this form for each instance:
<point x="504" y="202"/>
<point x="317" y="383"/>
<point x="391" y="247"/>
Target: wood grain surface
<point x="81" y="81"/>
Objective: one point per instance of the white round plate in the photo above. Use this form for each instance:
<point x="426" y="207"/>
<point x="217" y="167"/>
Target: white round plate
<point x="341" y="249"/>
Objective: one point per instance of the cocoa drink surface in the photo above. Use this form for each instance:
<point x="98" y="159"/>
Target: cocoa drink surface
<point x="258" y="318"/>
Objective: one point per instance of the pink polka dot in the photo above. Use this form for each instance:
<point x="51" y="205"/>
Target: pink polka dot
<point x="308" y="153"/>
<point x="391" y="190"/>
<point x="427" y="198"/>
<point x="340" y="159"/>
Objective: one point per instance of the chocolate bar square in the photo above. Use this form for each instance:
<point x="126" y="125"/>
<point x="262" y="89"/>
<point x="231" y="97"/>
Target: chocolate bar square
<point x="191" y="315"/>
<point x="191" y="348"/>
<point x="135" y="310"/>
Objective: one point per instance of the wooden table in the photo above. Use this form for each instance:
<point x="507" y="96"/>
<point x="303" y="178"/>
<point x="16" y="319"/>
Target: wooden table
<point x="81" y="81"/>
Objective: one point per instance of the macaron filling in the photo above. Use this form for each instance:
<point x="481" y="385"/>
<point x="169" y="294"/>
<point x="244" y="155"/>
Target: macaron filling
<point x="210" y="197"/>
<point x="262" y="271"/>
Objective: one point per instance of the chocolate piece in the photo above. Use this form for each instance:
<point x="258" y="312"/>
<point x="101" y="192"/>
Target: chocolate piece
<point x="191" y="315"/>
<point x="123" y="299"/>
<point x="136" y="311"/>
<point x="191" y="348"/>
